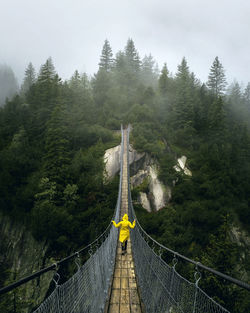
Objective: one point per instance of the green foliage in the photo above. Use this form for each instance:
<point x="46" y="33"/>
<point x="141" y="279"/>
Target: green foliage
<point x="216" y="79"/>
<point x="164" y="80"/>
<point x="106" y="60"/>
<point x="54" y="136"/>
<point x="29" y="79"/>
<point x="221" y="254"/>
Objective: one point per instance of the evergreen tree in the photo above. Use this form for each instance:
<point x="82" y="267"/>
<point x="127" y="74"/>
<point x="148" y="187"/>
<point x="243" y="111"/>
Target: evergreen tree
<point x="43" y="95"/>
<point x="106" y="60"/>
<point x="164" y="80"/>
<point x="183" y="106"/>
<point x="236" y="100"/>
<point x="56" y="159"/>
<point x="127" y="75"/>
<point x="47" y="72"/>
<point x="246" y="99"/>
<point x="216" y="78"/>
<point x="75" y="80"/>
<point x="101" y="85"/>
<point x="216" y="116"/>
<point x="29" y="79"/>
<point x="132" y="57"/>
<point x="148" y="75"/>
<point x="247" y="93"/>
<point x="47" y="85"/>
<point x="8" y="83"/>
<point x="85" y="82"/>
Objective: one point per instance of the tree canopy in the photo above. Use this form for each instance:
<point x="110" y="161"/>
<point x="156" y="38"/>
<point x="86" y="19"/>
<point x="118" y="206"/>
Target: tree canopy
<point x="54" y="135"/>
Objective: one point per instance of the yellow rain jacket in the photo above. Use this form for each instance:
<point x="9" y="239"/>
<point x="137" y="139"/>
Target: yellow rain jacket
<point x="124" y="224"/>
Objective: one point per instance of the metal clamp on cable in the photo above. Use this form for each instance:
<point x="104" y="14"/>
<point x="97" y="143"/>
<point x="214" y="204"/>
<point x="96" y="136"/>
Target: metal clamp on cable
<point x="174" y="261"/>
<point x="160" y="252"/>
<point x="57" y="276"/>
<point x="90" y="250"/>
<point x="77" y="261"/>
<point x="197" y="274"/>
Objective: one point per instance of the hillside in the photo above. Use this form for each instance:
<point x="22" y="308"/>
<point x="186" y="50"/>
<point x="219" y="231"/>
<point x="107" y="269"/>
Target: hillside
<point x="54" y="135"/>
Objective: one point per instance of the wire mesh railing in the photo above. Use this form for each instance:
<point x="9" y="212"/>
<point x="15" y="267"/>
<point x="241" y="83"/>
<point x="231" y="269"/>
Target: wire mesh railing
<point x="162" y="288"/>
<point x="87" y="290"/>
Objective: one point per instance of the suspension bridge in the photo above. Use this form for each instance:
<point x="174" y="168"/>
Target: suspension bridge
<point x="139" y="281"/>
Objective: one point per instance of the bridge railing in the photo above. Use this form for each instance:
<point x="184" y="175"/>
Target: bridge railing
<point x="87" y="290"/>
<point x="162" y="288"/>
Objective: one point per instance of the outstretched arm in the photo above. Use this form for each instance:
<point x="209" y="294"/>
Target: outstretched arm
<point x="132" y="225"/>
<point x="116" y="225"/>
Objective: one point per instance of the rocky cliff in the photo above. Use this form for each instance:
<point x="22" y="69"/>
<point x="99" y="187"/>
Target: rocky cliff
<point x="21" y="255"/>
<point x="141" y="167"/>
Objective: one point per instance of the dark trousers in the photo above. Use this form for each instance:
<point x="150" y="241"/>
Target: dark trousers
<point x="124" y="245"/>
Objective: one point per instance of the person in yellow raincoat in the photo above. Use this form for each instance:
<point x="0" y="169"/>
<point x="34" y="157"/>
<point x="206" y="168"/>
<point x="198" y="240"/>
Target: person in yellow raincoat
<point x="124" y="232"/>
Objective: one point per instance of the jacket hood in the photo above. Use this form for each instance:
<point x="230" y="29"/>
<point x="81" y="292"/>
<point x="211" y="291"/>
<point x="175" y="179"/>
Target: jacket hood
<point x="125" y="217"/>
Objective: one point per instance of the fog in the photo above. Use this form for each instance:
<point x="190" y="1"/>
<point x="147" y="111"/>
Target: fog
<point x="72" y="32"/>
<point x="8" y="83"/>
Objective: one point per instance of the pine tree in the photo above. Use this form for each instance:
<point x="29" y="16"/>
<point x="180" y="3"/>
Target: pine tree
<point x="246" y="98"/>
<point x="75" y="80"/>
<point x="57" y="146"/>
<point x="216" y="116"/>
<point x="216" y="78"/>
<point x="42" y="98"/>
<point x="47" y="85"/>
<point x="183" y="106"/>
<point x="164" y="80"/>
<point x="85" y="82"/>
<point x="29" y="79"/>
<point x="235" y="93"/>
<point x="236" y="100"/>
<point x="247" y="93"/>
<point x="47" y="71"/>
<point x="132" y="56"/>
<point x="106" y="60"/>
<point x="148" y="75"/>
<point x="8" y="83"/>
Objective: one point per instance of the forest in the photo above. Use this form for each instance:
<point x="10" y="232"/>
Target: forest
<point x="53" y="135"/>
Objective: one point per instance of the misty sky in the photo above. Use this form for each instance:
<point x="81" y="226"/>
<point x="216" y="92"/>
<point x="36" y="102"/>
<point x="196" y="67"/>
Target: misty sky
<point x="72" y="32"/>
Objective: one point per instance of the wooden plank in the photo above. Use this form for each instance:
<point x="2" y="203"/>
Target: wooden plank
<point x="124" y="296"/>
<point x="115" y="296"/>
<point x="124" y="283"/>
<point x="116" y="283"/>
<point x="114" y="308"/>
<point x="124" y="308"/>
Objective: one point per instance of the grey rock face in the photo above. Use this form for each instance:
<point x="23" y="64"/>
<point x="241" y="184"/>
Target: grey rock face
<point x="23" y="256"/>
<point x="141" y="167"/>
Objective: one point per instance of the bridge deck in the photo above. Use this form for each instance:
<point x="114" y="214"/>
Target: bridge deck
<point x="124" y="294"/>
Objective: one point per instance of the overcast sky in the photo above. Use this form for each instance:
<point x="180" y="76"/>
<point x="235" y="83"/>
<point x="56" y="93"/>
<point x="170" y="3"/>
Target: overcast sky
<point x="72" y="32"/>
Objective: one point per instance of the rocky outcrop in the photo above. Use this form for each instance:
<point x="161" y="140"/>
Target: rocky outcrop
<point x="142" y="168"/>
<point x="112" y="161"/>
<point x="181" y="166"/>
<point x="143" y="198"/>
<point x="22" y="255"/>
